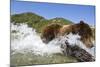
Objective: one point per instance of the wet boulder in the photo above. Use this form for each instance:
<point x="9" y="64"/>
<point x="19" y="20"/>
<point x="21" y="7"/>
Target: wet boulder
<point x="75" y="51"/>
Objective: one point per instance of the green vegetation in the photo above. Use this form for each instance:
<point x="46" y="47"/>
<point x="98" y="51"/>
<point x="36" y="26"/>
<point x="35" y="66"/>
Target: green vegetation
<point x="35" y="21"/>
<point x="60" y="21"/>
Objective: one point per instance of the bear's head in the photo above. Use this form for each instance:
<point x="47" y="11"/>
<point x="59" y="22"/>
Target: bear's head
<point x="86" y="33"/>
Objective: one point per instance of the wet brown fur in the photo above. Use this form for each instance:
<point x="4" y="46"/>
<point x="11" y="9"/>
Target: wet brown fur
<point x="83" y="29"/>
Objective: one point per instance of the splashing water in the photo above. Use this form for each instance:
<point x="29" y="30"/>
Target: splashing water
<point x="74" y="39"/>
<point x="25" y="39"/>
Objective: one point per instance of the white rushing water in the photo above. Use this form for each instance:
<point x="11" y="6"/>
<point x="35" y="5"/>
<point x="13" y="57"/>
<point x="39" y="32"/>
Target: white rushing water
<point x="25" y="39"/>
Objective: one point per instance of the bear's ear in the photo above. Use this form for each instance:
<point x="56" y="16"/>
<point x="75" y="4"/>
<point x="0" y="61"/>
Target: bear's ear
<point x="81" y="22"/>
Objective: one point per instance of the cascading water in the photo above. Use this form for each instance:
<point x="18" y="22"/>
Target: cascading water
<point x="25" y="39"/>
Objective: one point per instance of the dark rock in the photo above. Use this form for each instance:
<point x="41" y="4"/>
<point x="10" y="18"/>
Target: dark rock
<point x="75" y="51"/>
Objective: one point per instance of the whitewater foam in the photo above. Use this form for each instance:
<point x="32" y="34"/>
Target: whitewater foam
<point x="74" y="39"/>
<point x="29" y="41"/>
<point x="26" y="39"/>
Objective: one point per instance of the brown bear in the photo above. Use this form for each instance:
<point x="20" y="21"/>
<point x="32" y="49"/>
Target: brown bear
<point x="54" y="30"/>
